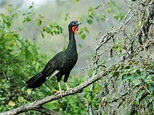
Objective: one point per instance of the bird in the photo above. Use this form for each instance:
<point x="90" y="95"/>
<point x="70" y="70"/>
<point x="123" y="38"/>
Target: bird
<point x="61" y="64"/>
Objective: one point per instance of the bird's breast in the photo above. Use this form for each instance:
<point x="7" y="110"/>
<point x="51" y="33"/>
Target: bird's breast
<point x="70" y="60"/>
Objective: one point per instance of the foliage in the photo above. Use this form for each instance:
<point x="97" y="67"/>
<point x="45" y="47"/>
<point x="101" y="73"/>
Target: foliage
<point x="128" y="87"/>
<point x="20" y="59"/>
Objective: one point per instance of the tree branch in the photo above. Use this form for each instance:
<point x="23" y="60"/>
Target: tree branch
<point x="38" y="104"/>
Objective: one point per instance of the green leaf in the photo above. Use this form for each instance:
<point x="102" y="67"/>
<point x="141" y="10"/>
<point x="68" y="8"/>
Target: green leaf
<point x="116" y="74"/>
<point x="119" y="16"/>
<point x="109" y="10"/>
<point x="10" y="8"/>
<point x="127" y="67"/>
<point x="151" y="87"/>
<point x="20" y="99"/>
<point x="39" y="22"/>
<point x="30" y="7"/>
<point x="27" y="54"/>
<point x="77" y="0"/>
<point x="2" y="98"/>
<point x="8" y="24"/>
<point x="27" y="19"/>
<point x="134" y="78"/>
<point x="80" y="45"/>
<point x="66" y="17"/>
<point x="86" y="29"/>
<point x="80" y="32"/>
<point x="103" y="17"/>
<point x="89" y="21"/>
<point x="42" y="33"/>
<point x="3" y="16"/>
<point x="139" y="96"/>
<point x="83" y="36"/>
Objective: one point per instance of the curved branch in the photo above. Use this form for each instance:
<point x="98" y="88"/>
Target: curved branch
<point x="37" y="104"/>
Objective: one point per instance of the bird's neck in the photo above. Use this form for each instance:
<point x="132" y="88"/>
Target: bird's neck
<point x="72" y="43"/>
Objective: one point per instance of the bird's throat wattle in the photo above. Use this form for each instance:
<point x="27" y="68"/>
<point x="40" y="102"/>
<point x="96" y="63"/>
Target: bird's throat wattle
<point x="75" y="29"/>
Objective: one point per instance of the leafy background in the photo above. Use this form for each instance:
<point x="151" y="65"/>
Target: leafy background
<point x="31" y="34"/>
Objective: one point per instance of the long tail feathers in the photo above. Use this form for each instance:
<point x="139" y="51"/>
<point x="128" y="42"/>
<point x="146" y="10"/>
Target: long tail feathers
<point x="36" y="81"/>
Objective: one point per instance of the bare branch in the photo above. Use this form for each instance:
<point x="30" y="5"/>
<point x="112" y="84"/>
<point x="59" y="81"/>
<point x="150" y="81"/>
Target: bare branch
<point x="37" y="104"/>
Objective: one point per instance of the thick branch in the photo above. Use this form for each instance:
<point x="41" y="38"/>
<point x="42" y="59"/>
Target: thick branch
<point x="37" y="104"/>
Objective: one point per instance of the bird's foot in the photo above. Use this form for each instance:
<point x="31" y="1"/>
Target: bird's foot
<point x="69" y="89"/>
<point x="61" y="92"/>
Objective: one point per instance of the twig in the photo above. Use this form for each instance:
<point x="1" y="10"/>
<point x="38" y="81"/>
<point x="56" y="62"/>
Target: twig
<point x="122" y="96"/>
<point x="6" y="77"/>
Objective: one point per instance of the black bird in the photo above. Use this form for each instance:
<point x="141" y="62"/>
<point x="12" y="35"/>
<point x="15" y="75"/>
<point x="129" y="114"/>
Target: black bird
<point x="62" y="63"/>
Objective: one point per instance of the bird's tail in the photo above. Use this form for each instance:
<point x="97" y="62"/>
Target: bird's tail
<point x="36" y="81"/>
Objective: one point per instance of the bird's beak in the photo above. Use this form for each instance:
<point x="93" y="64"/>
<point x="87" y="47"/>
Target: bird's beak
<point x="78" y="23"/>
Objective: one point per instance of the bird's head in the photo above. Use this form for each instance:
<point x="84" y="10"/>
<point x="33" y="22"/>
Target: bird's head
<point x="73" y="26"/>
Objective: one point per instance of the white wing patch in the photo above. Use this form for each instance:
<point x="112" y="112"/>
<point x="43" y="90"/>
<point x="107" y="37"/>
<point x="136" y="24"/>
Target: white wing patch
<point x="53" y="74"/>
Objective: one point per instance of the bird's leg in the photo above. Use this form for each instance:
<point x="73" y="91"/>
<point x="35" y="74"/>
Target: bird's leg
<point x="60" y="91"/>
<point x="68" y="88"/>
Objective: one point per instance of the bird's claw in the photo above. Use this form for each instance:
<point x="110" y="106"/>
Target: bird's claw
<point x="60" y="92"/>
<point x="69" y="89"/>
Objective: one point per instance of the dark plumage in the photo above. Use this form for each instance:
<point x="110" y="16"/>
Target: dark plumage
<point x="63" y="61"/>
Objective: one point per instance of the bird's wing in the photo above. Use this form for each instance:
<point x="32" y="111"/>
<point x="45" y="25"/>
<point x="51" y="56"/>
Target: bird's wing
<point x="53" y="74"/>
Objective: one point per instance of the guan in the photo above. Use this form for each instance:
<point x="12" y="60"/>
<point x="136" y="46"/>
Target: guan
<point x="61" y="64"/>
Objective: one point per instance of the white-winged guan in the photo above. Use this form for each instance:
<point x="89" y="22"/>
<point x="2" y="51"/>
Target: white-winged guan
<point x="63" y="61"/>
